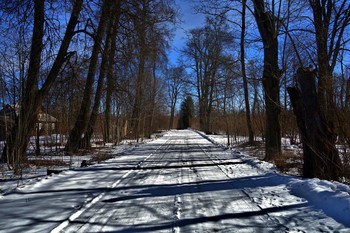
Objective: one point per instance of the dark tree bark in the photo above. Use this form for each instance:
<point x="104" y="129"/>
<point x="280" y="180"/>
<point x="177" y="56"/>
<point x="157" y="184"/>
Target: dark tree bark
<point x="110" y="74"/>
<point x="37" y="140"/>
<point x="226" y="116"/>
<point x="331" y="19"/>
<point x="244" y="74"/>
<point x="136" y="113"/>
<point x="32" y="97"/>
<point x="175" y="85"/>
<point x="152" y="101"/>
<point x="172" y="115"/>
<point x="86" y="141"/>
<point x="271" y="78"/>
<point x="186" y="113"/>
<point x="106" y="59"/>
<point x="28" y="110"/>
<point x="321" y="158"/>
<point x="81" y="123"/>
<point x="205" y="48"/>
<point x="347" y="96"/>
<point x="142" y="41"/>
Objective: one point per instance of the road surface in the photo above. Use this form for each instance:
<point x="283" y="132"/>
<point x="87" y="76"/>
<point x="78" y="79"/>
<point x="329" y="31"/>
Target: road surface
<point x="178" y="183"/>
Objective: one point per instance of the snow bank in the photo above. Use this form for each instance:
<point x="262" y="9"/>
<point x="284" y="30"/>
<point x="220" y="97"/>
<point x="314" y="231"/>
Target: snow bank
<point x="332" y="198"/>
<point x="263" y="166"/>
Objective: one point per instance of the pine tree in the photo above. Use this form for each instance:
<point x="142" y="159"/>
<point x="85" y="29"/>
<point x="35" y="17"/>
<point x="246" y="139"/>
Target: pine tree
<point x="186" y="113"/>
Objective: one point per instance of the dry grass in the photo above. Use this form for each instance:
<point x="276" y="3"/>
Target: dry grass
<point x="255" y="149"/>
<point x="346" y="166"/>
<point x="100" y="156"/>
<point x="46" y="162"/>
<point x="290" y="162"/>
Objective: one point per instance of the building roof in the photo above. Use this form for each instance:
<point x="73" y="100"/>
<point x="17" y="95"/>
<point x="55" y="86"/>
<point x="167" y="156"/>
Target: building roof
<point x="46" y="118"/>
<point x="10" y="111"/>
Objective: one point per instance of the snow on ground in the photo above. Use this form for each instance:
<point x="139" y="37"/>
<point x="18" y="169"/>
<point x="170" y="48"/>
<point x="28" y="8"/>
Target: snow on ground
<point x="178" y="183"/>
<point x="322" y="194"/>
<point x="33" y="173"/>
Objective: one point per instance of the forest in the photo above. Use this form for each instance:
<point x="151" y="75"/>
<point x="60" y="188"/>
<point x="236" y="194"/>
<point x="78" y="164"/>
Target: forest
<point x="100" y="70"/>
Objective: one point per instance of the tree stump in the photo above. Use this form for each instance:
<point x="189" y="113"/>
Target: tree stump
<point x="321" y="158"/>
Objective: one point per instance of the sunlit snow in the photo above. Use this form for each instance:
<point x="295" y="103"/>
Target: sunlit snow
<point x="180" y="182"/>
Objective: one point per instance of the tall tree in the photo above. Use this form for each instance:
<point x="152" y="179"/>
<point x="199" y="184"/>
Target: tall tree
<point x="331" y="18"/>
<point x="227" y="10"/>
<point x="321" y="158"/>
<point x="268" y="25"/>
<point x="82" y="120"/>
<point x="150" y="19"/>
<point x="32" y="96"/>
<point x="175" y="85"/>
<point x="86" y="141"/>
<point x="244" y="73"/>
<point x="140" y="27"/>
<point x="206" y="49"/>
<point x="110" y="71"/>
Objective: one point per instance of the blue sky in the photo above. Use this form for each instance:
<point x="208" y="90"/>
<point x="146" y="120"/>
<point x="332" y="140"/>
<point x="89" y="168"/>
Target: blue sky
<point x="190" y="19"/>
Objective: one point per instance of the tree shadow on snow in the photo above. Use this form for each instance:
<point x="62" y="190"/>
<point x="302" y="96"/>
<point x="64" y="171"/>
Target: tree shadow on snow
<point x="198" y="187"/>
<point x="206" y="219"/>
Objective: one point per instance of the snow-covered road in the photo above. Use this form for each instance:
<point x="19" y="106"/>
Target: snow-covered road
<point x="178" y="183"/>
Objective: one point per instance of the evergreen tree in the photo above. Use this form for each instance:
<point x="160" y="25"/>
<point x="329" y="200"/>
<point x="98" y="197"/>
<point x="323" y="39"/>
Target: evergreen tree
<point x="186" y="113"/>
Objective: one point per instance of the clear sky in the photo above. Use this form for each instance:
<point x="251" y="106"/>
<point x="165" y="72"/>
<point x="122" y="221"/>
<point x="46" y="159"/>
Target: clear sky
<point x="189" y="20"/>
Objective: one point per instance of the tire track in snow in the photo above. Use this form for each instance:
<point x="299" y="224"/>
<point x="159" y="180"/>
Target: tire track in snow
<point x="270" y="220"/>
<point x="177" y="198"/>
<point x="106" y="214"/>
<point x="199" y="207"/>
<point x="91" y="202"/>
<point x="177" y="213"/>
<point x="150" y="209"/>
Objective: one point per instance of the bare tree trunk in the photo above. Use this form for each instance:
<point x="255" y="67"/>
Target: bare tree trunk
<point x="272" y="103"/>
<point x="29" y="109"/>
<point x="227" y="126"/>
<point x="271" y="76"/>
<point x="172" y="115"/>
<point x="136" y="112"/>
<point x="244" y="75"/>
<point x="152" y="102"/>
<point x="109" y="93"/>
<point x="86" y="141"/>
<point x="37" y="140"/>
<point x="32" y="97"/>
<point x="325" y="94"/>
<point x="107" y="57"/>
<point x="110" y="74"/>
<point x="321" y="158"/>
<point x="330" y="18"/>
<point x="204" y="107"/>
<point x="347" y="95"/>
<point x="82" y="119"/>
<point x="24" y="124"/>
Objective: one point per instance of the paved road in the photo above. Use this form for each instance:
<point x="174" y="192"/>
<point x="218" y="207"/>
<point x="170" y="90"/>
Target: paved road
<point x="178" y="183"/>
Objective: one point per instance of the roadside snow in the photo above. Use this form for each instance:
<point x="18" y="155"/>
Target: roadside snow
<point x="332" y="197"/>
<point x="33" y="174"/>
